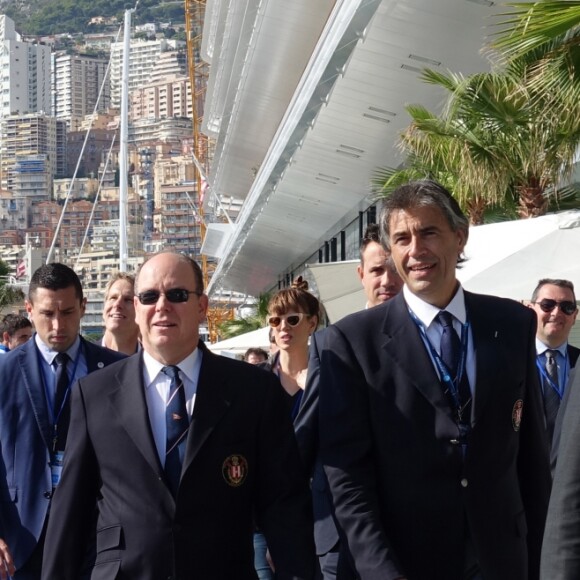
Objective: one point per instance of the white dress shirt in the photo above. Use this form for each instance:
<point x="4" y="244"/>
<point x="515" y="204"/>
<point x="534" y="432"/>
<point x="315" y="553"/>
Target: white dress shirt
<point x="427" y="314"/>
<point x="157" y="386"/>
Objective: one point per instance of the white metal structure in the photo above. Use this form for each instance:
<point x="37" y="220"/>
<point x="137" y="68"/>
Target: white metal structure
<point x="306" y="100"/>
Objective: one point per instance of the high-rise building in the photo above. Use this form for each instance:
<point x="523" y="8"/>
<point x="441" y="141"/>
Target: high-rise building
<point x="143" y="55"/>
<point x="28" y="154"/>
<point x="167" y="92"/>
<point x="76" y="82"/>
<point x="24" y="73"/>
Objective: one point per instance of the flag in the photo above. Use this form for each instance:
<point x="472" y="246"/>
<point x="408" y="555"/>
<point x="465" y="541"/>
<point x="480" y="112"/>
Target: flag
<point x="21" y="269"/>
<point x="204" y="186"/>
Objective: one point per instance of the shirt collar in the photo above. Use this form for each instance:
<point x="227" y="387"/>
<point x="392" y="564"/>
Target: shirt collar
<point x="426" y="312"/>
<point x="48" y="354"/>
<point x="189" y="366"/>
<point x="541" y="348"/>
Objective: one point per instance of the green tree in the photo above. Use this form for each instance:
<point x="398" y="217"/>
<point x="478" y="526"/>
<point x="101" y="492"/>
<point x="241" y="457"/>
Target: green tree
<point x="8" y="294"/>
<point x="496" y="139"/>
<point x="546" y="36"/>
<point x="254" y="321"/>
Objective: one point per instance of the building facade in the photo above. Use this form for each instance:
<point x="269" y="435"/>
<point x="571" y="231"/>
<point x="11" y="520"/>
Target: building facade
<point x="24" y="73"/>
<point x="76" y="83"/>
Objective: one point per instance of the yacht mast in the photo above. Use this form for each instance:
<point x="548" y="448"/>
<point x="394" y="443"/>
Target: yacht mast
<point x="124" y="146"/>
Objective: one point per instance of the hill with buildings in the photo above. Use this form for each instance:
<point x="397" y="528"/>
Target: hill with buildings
<point x="46" y="17"/>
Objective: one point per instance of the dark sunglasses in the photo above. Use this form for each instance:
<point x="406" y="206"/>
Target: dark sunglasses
<point x="292" y="320"/>
<point x="566" y="306"/>
<point x="175" y="295"/>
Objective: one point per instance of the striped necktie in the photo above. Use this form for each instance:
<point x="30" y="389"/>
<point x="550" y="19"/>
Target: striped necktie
<point x="177" y="423"/>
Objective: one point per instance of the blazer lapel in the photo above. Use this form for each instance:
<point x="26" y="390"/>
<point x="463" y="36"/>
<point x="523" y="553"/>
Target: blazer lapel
<point x="92" y="356"/>
<point x="129" y="404"/>
<point x="213" y="399"/>
<point x="484" y="332"/>
<point x="28" y="357"/>
<point x="405" y="346"/>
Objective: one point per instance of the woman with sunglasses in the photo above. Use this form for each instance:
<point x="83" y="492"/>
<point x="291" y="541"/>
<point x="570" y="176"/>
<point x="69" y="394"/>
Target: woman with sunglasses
<point x="294" y="314"/>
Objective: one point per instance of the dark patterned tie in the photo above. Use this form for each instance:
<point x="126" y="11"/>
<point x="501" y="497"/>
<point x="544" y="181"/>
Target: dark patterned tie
<point x="551" y="396"/>
<point x="177" y="423"/>
<point x="450" y="354"/>
<point x="61" y="401"/>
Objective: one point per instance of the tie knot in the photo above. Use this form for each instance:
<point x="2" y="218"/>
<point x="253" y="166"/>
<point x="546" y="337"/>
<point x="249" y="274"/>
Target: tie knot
<point x="445" y="318"/>
<point x="551" y="355"/>
<point x="61" y="359"/>
<point x="171" y="371"/>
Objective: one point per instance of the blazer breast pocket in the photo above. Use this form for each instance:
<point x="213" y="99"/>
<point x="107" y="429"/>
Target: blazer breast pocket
<point x="109" y="538"/>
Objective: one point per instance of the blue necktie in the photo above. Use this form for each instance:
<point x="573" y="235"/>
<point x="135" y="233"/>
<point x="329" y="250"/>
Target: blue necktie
<point x="61" y="401"/>
<point x="450" y="354"/>
<point x="551" y="397"/>
<point x="177" y="423"/>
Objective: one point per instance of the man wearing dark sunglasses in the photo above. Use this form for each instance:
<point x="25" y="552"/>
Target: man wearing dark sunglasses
<point x="554" y="303"/>
<point x="181" y="451"/>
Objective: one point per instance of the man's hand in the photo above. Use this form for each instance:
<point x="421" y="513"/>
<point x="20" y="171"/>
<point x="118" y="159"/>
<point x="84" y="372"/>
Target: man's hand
<point x="7" y="568"/>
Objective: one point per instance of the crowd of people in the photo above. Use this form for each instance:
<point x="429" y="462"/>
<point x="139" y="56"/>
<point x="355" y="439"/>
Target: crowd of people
<point x="416" y="439"/>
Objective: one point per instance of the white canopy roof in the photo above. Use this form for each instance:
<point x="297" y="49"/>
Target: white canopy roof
<point x="240" y="344"/>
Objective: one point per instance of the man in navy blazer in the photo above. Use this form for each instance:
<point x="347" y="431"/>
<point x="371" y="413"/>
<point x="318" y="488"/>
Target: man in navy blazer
<point x="28" y="469"/>
<point x="381" y="282"/>
<point x="438" y="470"/>
<point x="237" y="460"/>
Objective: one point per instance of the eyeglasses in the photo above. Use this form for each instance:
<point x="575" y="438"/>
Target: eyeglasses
<point x="566" y="306"/>
<point x="292" y="320"/>
<point x="174" y="295"/>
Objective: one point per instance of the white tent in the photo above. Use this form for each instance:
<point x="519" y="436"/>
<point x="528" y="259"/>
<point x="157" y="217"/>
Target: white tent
<point x="508" y="258"/>
<point x="239" y="344"/>
<point x="338" y="287"/>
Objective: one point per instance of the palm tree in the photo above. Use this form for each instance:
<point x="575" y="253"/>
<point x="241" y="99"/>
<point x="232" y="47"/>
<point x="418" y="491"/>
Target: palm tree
<point x="546" y="35"/>
<point x="496" y="139"/>
<point x="254" y="321"/>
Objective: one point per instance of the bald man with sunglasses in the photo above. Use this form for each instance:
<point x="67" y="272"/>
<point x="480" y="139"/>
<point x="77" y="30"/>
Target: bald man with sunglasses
<point x="554" y="302"/>
<point x="181" y="451"/>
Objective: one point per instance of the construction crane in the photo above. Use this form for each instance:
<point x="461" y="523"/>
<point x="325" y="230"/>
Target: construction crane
<point x="202" y="144"/>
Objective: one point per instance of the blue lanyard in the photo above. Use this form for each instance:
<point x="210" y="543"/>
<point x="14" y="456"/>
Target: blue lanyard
<point x="444" y="372"/>
<point x="542" y="370"/>
<point x="54" y="415"/>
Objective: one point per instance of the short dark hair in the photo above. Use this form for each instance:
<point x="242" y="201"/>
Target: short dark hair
<point x="13" y="322"/>
<point x="372" y="234"/>
<point x="197" y="273"/>
<point x="54" y="277"/>
<point x="554" y="282"/>
<point x="422" y="193"/>
<point x="257" y="351"/>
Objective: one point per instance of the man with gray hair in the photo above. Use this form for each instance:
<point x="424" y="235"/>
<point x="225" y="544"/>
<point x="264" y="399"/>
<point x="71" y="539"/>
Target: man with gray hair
<point x="431" y="427"/>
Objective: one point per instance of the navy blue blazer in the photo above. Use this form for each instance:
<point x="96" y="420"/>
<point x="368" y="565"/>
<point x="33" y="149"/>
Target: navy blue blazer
<point x="403" y="494"/>
<point x="241" y="465"/>
<point x="25" y="441"/>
